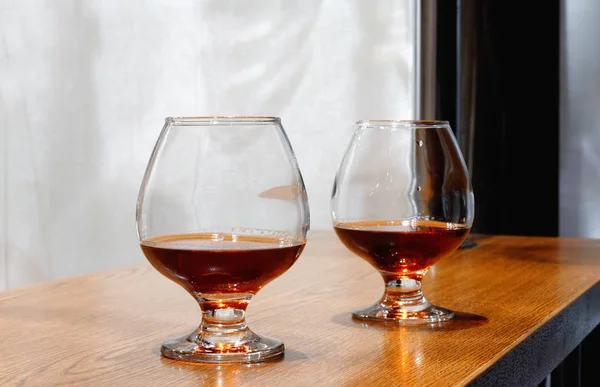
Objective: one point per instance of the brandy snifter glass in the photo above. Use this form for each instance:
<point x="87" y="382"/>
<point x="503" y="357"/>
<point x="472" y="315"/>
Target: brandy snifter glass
<point x="402" y="200"/>
<point x="222" y="211"/>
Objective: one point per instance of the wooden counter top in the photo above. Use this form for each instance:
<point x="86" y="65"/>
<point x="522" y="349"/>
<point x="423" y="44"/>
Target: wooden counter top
<point x="523" y="303"/>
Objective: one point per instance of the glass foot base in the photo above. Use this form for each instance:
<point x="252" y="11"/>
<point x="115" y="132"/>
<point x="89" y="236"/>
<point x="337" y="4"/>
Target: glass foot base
<point x="407" y="315"/>
<point x="252" y="348"/>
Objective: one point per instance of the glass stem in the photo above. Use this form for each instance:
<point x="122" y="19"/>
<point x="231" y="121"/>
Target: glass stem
<point x="223" y="335"/>
<point x="404" y="293"/>
<point x="223" y="323"/>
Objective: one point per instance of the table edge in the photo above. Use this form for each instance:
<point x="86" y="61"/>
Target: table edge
<point x="543" y="350"/>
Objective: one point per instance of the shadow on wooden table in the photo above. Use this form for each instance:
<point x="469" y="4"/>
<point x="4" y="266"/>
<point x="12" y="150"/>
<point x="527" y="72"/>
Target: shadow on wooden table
<point x="462" y="320"/>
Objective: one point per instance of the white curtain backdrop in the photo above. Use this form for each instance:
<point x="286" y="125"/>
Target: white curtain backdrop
<point x="85" y="86"/>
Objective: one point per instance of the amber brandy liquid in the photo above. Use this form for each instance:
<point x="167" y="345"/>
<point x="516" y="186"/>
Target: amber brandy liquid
<point x="220" y="263"/>
<point x="401" y="247"/>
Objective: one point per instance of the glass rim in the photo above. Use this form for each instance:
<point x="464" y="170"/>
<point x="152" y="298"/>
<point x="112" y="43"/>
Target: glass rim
<point x="404" y="123"/>
<point x="223" y="119"/>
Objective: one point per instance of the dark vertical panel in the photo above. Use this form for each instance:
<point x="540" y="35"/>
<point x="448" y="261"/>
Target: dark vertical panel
<point x="468" y="31"/>
<point x="515" y="154"/>
<point x="446" y="76"/>
<point x="497" y="70"/>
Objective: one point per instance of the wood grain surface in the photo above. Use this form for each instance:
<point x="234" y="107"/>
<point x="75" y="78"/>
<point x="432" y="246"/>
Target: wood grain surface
<point x="105" y="329"/>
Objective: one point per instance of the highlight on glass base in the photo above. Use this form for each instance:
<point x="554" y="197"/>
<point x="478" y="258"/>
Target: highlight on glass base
<point x="212" y="221"/>
<point x="402" y="200"/>
<point x="402" y="304"/>
<point x="223" y="336"/>
<point x="215" y="343"/>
